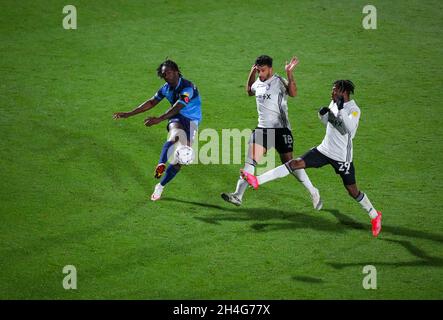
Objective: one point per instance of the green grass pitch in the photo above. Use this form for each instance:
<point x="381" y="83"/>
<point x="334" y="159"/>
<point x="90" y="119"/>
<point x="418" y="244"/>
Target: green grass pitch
<point x="75" y="184"/>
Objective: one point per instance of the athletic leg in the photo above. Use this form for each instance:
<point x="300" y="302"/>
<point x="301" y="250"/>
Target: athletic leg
<point x="257" y="148"/>
<point x="348" y="177"/>
<point x="312" y="158"/>
<point x="176" y="132"/>
<point x="255" y="153"/>
<point x="303" y="178"/>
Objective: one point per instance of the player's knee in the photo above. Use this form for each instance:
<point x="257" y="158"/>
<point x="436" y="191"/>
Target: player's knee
<point x="177" y="134"/>
<point x="295" y="164"/>
<point x="257" y="156"/>
<point x="256" y="151"/>
<point x="251" y="161"/>
<point x="173" y="139"/>
<point x="285" y="157"/>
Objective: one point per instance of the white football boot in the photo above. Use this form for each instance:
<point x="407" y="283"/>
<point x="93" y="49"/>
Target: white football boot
<point x="157" y="192"/>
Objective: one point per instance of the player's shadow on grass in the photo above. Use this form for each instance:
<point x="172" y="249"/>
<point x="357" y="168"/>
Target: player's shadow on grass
<point x="307" y="279"/>
<point x="293" y="219"/>
<point x="424" y="260"/>
<point x="349" y="222"/>
<point x="299" y="220"/>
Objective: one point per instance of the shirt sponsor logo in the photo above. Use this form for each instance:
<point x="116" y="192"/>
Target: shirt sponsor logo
<point x="185" y="97"/>
<point x="265" y="96"/>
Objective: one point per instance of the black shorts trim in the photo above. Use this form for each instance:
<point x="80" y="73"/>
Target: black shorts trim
<point x="315" y="159"/>
<point x="279" y="138"/>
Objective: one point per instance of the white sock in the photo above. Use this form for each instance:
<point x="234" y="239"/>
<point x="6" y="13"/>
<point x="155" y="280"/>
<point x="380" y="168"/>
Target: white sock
<point x="242" y="185"/>
<point x="367" y="205"/>
<point x="279" y="172"/>
<point x="304" y="179"/>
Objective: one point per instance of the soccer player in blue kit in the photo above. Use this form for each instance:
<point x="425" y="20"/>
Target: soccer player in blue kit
<point x="183" y="118"/>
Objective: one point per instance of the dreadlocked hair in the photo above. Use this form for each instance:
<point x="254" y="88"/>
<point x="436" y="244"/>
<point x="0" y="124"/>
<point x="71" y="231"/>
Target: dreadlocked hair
<point x="168" y="64"/>
<point x="345" y="85"/>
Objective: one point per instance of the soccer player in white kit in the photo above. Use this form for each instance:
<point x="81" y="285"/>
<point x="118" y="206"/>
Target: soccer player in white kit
<point x="271" y="92"/>
<point x="341" y="119"/>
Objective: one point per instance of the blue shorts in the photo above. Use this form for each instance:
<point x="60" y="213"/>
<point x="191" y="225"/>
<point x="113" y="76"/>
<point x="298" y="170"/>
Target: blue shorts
<point x="189" y="126"/>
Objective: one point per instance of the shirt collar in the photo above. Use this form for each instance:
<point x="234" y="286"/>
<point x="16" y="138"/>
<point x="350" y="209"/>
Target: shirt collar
<point x="178" y="83"/>
<point x="270" y="79"/>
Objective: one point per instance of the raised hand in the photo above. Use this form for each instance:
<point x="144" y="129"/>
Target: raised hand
<point x="323" y="111"/>
<point x="340" y="101"/>
<point x="291" y="65"/>
<point x="254" y="68"/>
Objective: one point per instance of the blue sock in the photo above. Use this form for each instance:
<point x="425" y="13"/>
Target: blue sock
<point x="164" y="153"/>
<point x="170" y="173"/>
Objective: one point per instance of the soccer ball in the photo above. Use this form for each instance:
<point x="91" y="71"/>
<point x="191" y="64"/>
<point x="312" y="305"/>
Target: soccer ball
<point x="184" y="155"/>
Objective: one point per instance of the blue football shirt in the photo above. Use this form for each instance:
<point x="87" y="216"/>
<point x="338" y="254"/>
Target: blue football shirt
<point x="186" y="93"/>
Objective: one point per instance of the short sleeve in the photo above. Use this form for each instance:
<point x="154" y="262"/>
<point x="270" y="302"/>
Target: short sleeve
<point x="254" y="87"/>
<point x="159" y="95"/>
<point x="186" y="95"/>
<point x="283" y="85"/>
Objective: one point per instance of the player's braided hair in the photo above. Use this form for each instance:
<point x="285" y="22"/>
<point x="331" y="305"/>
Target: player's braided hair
<point x="345" y="85"/>
<point x="168" y="64"/>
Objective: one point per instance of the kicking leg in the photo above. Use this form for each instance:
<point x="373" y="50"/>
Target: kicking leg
<point x="175" y="134"/>
<point x="175" y="130"/>
<point x="348" y="177"/>
<point x="302" y="177"/>
<point x="255" y="153"/>
<point x="366" y="204"/>
<point x="171" y="172"/>
<point x="276" y="173"/>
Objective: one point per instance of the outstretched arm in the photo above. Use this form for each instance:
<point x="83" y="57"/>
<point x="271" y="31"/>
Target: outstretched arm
<point x="172" y="111"/>
<point x="185" y="97"/>
<point x="251" y="80"/>
<point x="145" y="106"/>
<point x="289" y="67"/>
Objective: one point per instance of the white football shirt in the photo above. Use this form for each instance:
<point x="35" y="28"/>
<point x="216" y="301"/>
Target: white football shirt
<point x="337" y="143"/>
<point x="272" y="102"/>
